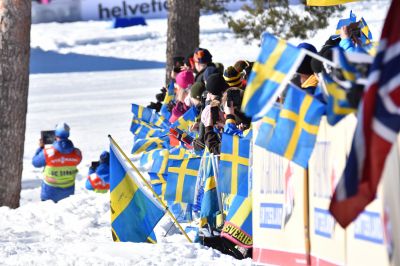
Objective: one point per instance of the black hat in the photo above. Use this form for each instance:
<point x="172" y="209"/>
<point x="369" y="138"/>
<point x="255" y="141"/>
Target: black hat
<point x="197" y="90"/>
<point x="216" y="85"/>
<point x="232" y="77"/>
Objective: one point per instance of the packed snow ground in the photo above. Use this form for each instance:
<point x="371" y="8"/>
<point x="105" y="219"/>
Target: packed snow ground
<point x="87" y="74"/>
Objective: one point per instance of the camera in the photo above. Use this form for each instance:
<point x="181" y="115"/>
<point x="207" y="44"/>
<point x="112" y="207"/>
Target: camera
<point x="94" y="165"/>
<point x="233" y="97"/>
<point x="48" y="136"/>
<point x="214" y="114"/>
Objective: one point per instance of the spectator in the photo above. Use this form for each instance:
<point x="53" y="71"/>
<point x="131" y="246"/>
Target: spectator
<point x="59" y="162"/>
<point x="99" y="177"/>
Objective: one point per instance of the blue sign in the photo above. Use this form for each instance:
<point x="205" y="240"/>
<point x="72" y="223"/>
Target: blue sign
<point x="324" y="223"/>
<point x="368" y="227"/>
<point x="271" y="215"/>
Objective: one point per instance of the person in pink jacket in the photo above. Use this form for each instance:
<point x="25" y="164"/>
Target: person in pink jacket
<point x="183" y="82"/>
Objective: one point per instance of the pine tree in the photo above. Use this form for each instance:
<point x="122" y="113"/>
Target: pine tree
<point x="281" y="19"/>
<point x="15" y="24"/>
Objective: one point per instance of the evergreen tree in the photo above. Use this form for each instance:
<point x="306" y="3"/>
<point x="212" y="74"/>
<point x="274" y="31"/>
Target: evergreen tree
<point x="281" y="19"/>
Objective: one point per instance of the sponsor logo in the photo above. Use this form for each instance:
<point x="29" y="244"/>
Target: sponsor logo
<point x="271" y="215"/>
<point x="324" y="224"/>
<point x="368" y="227"/>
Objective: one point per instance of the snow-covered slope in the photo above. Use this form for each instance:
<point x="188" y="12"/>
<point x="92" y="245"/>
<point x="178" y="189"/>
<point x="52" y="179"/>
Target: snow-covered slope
<point x="87" y="74"/>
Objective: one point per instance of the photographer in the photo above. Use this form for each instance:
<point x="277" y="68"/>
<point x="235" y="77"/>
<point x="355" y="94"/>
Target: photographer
<point x="235" y="121"/>
<point x="351" y="38"/>
<point x="99" y="175"/>
<point x="59" y="162"/>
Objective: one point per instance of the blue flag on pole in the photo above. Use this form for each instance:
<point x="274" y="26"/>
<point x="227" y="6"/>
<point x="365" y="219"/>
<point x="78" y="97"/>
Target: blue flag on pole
<point x="145" y="145"/>
<point x="338" y="106"/>
<point x="169" y="96"/>
<point x="238" y="225"/>
<point x="270" y="74"/>
<point x="142" y="113"/>
<point x="209" y="203"/>
<point x="187" y="119"/>
<point x="234" y="165"/>
<point x="297" y="126"/>
<point x="267" y="127"/>
<point x="182" y="179"/>
<point x="134" y="214"/>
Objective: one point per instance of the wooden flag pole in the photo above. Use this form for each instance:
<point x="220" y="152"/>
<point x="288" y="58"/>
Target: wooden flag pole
<point x="150" y="187"/>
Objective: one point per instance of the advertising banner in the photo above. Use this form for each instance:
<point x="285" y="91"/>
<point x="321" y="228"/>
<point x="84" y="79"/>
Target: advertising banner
<point x="280" y="219"/>
<point x="325" y="167"/>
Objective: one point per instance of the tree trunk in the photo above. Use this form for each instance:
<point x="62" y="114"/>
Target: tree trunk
<point x="15" y="25"/>
<point x="183" y="30"/>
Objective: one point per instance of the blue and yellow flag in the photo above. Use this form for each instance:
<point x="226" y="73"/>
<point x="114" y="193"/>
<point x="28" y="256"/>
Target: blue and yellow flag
<point x="297" y="126"/>
<point x="142" y="113"/>
<point x="169" y="96"/>
<point x="328" y="2"/>
<point x="267" y="127"/>
<point x="186" y="120"/>
<point x="344" y="22"/>
<point x="182" y="180"/>
<point x="146" y="145"/>
<point x="209" y="203"/>
<point x="349" y="72"/>
<point x="160" y="162"/>
<point x="338" y="106"/>
<point x="160" y="121"/>
<point x="143" y="130"/>
<point x="238" y="225"/>
<point x="234" y="165"/>
<point x="134" y="214"/>
<point x="270" y="74"/>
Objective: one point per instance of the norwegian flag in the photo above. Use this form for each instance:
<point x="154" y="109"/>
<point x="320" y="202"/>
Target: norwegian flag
<point x="377" y="129"/>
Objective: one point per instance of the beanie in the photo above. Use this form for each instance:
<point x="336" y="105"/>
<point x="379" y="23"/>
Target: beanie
<point x="105" y="157"/>
<point x="185" y="79"/>
<point x="220" y="67"/>
<point x="232" y="77"/>
<point x="209" y="71"/>
<point x="216" y="85"/>
<point x="305" y="66"/>
<point x="202" y="56"/>
<point x="197" y="90"/>
<point x="62" y="130"/>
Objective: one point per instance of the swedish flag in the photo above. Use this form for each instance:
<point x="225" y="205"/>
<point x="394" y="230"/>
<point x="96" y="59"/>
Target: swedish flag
<point x="338" y="106"/>
<point x="160" y="121"/>
<point x="268" y="123"/>
<point x="366" y="36"/>
<point x="297" y="126"/>
<point x="134" y="214"/>
<point x="209" y="204"/>
<point x="169" y="96"/>
<point x="187" y="119"/>
<point x="144" y="130"/>
<point x="179" y="153"/>
<point x="182" y="179"/>
<point x="145" y="145"/>
<point x="238" y="225"/>
<point x="160" y="162"/>
<point x="271" y="72"/>
<point x="344" y="22"/>
<point x="142" y="113"/>
<point x="234" y="165"/>
<point x="348" y="71"/>
<point x="328" y="2"/>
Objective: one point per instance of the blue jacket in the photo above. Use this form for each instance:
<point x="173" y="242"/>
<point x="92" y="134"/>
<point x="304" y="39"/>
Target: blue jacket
<point x="63" y="146"/>
<point x="102" y="171"/>
<point x="348" y="46"/>
<point x="55" y="194"/>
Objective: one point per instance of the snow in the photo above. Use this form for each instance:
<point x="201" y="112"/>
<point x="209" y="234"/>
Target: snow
<point x="87" y="74"/>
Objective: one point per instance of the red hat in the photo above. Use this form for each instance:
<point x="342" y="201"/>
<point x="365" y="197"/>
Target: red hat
<point x="185" y="79"/>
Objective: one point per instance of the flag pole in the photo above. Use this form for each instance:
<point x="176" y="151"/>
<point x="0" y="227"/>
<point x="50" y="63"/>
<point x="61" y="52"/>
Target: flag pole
<point x="150" y="187"/>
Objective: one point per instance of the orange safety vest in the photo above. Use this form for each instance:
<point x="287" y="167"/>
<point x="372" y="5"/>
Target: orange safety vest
<point x="98" y="184"/>
<point x="60" y="169"/>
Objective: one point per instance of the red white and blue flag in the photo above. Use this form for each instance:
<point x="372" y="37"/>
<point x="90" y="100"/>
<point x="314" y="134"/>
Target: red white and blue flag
<point x="377" y="129"/>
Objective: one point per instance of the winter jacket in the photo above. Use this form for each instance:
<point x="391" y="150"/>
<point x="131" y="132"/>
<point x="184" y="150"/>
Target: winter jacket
<point x="179" y="109"/>
<point x="348" y="46"/>
<point x="99" y="178"/>
<point x="60" y="168"/>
